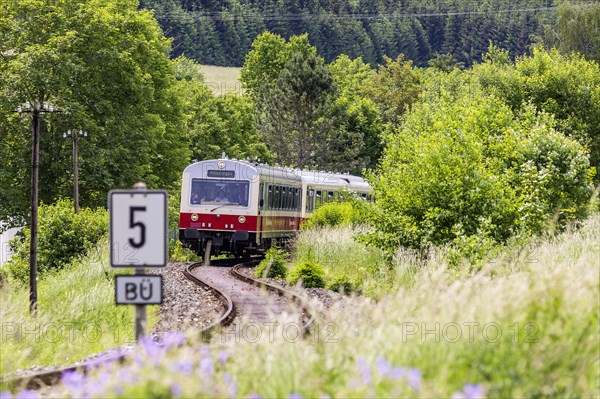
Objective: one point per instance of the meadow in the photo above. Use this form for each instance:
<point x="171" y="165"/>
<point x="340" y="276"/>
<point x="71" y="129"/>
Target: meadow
<point x="222" y="80"/>
<point x="524" y="325"/>
<point x="77" y="316"/>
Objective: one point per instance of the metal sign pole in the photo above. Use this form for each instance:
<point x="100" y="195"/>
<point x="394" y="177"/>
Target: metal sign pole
<point x="140" y="310"/>
<point x="140" y="313"/>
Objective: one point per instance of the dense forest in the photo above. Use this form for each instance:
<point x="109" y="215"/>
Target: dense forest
<point x="221" y="32"/>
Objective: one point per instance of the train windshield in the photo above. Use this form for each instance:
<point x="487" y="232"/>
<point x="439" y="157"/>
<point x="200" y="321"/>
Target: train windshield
<point x="219" y="192"/>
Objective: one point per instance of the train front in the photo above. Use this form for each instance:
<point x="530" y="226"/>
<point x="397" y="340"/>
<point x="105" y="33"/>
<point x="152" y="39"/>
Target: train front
<point x="219" y="207"/>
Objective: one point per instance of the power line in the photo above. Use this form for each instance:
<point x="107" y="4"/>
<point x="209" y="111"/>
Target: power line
<point x="226" y="15"/>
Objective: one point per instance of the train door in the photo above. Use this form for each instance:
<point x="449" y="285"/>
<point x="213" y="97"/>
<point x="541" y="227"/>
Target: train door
<point x="261" y="205"/>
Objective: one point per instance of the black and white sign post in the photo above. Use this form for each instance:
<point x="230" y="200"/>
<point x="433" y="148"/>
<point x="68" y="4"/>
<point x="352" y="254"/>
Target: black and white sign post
<point x="138" y="238"/>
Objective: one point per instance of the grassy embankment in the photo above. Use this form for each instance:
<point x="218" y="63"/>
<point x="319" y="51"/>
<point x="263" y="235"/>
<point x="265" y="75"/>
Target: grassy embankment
<point x="222" y="80"/>
<point x="525" y="325"/>
<point x="77" y="315"/>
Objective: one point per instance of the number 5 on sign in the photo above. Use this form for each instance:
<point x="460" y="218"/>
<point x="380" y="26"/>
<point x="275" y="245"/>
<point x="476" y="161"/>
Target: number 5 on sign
<point x="138" y="228"/>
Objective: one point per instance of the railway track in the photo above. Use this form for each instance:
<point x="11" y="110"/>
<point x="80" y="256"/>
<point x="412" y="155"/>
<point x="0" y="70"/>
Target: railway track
<point x="240" y="295"/>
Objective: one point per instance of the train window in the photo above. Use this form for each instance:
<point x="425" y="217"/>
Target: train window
<point x="310" y="200"/>
<point x="284" y="197"/>
<point x="220" y="192"/>
<point x="261" y="193"/>
<point x="270" y="197"/>
<point x="277" y="197"/>
<point x="318" y="199"/>
<point x="297" y="199"/>
<point x="363" y="196"/>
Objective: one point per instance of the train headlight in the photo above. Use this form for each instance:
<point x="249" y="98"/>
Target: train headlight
<point x="242" y="219"/>
<point x="194" y="217"/>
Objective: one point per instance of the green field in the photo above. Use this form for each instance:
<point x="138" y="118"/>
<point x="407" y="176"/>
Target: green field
<point x="222" y="80"/>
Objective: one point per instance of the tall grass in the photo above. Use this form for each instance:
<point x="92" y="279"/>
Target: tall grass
<point x="77" y="316"/>
<point x="343" y="258"/>
<point x="525" y="325"/>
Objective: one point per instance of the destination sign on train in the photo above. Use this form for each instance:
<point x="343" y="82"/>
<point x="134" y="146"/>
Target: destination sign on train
<point x="229" y="174"/>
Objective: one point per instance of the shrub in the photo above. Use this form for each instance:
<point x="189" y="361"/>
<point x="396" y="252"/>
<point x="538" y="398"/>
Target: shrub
<point x="333" y="214"/>
<point x="341" y="284"/>
<point x="62" y="237"/>
<point x="466" y="173"/>
<point x="273" y="265"/>
<point x="310" y="273"/>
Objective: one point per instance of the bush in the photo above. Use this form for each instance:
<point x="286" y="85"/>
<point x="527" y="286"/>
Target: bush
<point x="62" y="236"/>
<point x="466" y="173"/>
<point x="333" y="214"/>
<point x="273" y="265"/>
<point x="310" y="273"/>
<point x="341" y="284"/>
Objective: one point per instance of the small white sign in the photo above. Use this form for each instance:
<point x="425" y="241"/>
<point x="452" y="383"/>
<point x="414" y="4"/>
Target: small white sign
<point x="138" y="228"/>
<point x="138" y="290"/>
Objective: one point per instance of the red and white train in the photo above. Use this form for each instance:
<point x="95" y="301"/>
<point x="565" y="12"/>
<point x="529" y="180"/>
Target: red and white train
<point x="240" y="207"/>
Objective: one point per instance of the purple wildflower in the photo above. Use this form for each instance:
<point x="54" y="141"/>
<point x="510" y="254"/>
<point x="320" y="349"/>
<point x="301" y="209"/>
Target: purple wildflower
<point x="397" y="372"/>
<point x="27" y="395"/>
<point x="176" y="390"/>
<point x="295" y="395"/>
<point x="231" y="385"/>
<point x="473" y="391"/>
<point x="383" y="366"/>
<point x="254" y="395"/>
<point x="185" y="367"/>
<point x="150" y="347"/>
<point x="364" y="369"/>
<point x="206" y="368"/>
<point x="6" y="395"/>
<point x="223" y="356"/>
<point x="74" y="381"/>
<point x="173" y="339"/>
<point x="413" y="376"/>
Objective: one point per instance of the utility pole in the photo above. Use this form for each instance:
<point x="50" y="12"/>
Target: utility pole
<point x="35" y="168"/>
<point x="75" y="136"/>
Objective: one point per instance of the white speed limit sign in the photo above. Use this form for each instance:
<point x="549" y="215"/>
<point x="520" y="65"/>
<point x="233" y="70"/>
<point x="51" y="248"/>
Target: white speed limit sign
<point x="138" y="228"/>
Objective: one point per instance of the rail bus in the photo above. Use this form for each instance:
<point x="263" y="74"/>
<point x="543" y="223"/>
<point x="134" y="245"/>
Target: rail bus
<point x="241" y="207"/>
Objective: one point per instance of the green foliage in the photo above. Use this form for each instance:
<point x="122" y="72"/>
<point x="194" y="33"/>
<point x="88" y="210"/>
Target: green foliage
<point x="578" y="29"/>
<point x="76" y="318"/>
<point x="310" y="273"/>
<point x="465" y="172"/>
<point x="568" y="87"/>
<point x="334" y="214"/>
<point x="394" y="88"/>
<point x="62" y="236"/>
<point x="341" y="284"/>
<point x="105" y="64"/>
<point x="225" y="124"/>
<point x="347" y="263"/>
<point x="221" y="33"/>
<point x="296" y="115"/>
<point x="3" y="276"/>
<point x="273" y="265"/>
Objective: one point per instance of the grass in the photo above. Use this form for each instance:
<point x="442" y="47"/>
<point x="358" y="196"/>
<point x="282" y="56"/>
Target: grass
<point x="222" y="80"/>
<point x="343" y="258"/>
<point x="77" y="316"/>
<point x="525" y="325"/>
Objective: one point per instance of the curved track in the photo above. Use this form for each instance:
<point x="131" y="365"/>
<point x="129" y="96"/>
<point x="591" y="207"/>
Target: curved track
<point x="243" y="298"/>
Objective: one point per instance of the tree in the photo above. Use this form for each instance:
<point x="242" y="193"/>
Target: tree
<point x="270" y="52"/>
<point x="579" y="29"/>
<point x="296" y="114"/>
<point x="394" y="88"/>
<point x="106" y="65"/>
